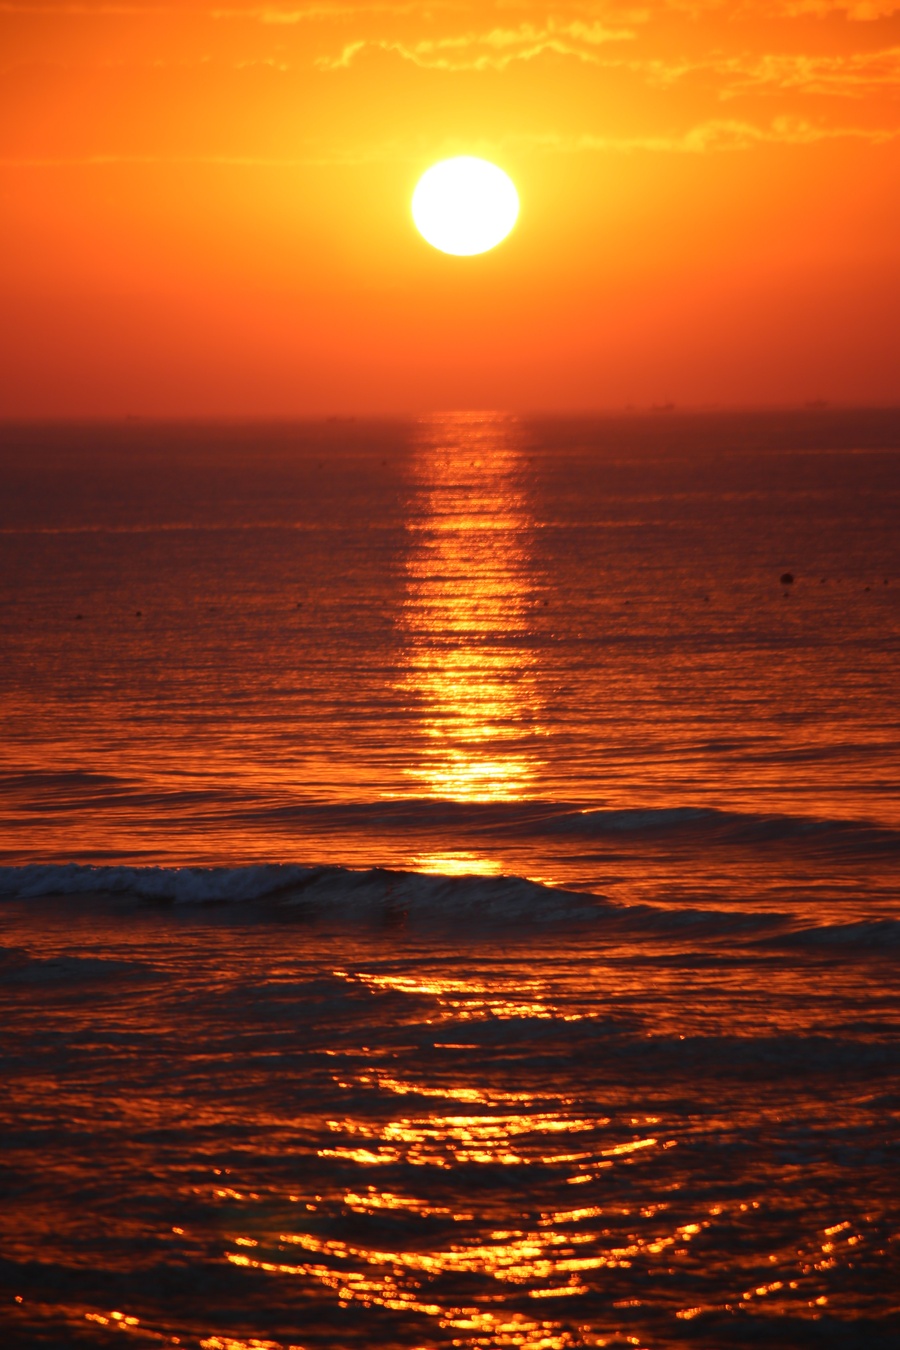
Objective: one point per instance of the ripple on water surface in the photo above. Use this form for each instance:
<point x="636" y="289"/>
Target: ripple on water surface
<point x="228" y="1132"/>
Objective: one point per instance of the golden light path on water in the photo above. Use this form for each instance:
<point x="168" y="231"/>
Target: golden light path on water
<point x="557" y="1253"/>
<point x="546" y="1262"/>
<point x="465" y="617"/>
<point x="475" y="1205"/>
<point x="501" y="1129"/>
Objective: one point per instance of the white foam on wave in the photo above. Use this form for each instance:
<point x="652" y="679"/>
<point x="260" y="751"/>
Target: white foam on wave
<point x="345" y="894"/>
<point x="330" y="889"/>
<point x="178" y="885"/>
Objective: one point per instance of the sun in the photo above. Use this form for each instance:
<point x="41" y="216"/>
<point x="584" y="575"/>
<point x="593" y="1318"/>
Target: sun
<point x="465" y="205"/>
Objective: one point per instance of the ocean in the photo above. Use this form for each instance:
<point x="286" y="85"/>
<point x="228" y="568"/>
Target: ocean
<point x="448" y="882"/>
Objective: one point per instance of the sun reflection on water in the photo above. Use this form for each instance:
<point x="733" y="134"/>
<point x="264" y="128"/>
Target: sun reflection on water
<point x="542" y="1264"/>
<point x="468" y="1000"/>
<point x="466" y="616"/>
<point x="552" y="1261"/>
<point x="455" y="863"/>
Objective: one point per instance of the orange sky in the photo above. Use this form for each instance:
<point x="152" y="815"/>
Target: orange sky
<point x="205" y="210"/>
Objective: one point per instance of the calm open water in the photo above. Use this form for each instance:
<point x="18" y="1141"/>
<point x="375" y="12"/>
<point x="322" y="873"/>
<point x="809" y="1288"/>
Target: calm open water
<point x="449" y="883"/>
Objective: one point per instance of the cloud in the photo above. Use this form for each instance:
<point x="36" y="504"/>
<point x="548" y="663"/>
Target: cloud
<point x="853" y="75"/>
<point x="717" y="135"/>
<point x="491" y="50"/>
<point x="861" y="11"/>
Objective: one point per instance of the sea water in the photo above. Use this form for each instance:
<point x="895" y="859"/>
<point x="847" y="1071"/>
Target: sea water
<point x="449" y="882"/>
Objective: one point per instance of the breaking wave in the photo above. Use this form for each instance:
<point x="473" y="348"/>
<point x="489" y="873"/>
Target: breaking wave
<point x="728" y="827"/>
<point x="461" y="902"/>
<point x="338" y="890"/>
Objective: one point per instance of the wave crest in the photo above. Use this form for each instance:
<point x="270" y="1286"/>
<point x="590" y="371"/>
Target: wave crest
<point x="332" y="889"/>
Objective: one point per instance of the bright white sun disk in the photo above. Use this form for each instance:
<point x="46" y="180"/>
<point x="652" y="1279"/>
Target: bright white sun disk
<point x="465" y="205"/>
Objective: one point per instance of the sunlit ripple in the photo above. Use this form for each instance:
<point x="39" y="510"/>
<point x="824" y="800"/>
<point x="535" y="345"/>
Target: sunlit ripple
<point x="472" y="1000"/>
<point x="550" y="1262"/>
<point x="458" y="863"/>
<point x="466" y="614"/>
<point x="545" y="1263"/>
<point x="491" y="1209"/>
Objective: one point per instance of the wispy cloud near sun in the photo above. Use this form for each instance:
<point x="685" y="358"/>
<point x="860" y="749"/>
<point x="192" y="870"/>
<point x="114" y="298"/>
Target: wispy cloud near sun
<point x="493" y="49"/>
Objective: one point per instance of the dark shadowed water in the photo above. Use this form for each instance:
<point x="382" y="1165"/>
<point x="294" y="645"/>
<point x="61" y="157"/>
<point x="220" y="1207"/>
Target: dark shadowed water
<point x="450" y="883"/>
